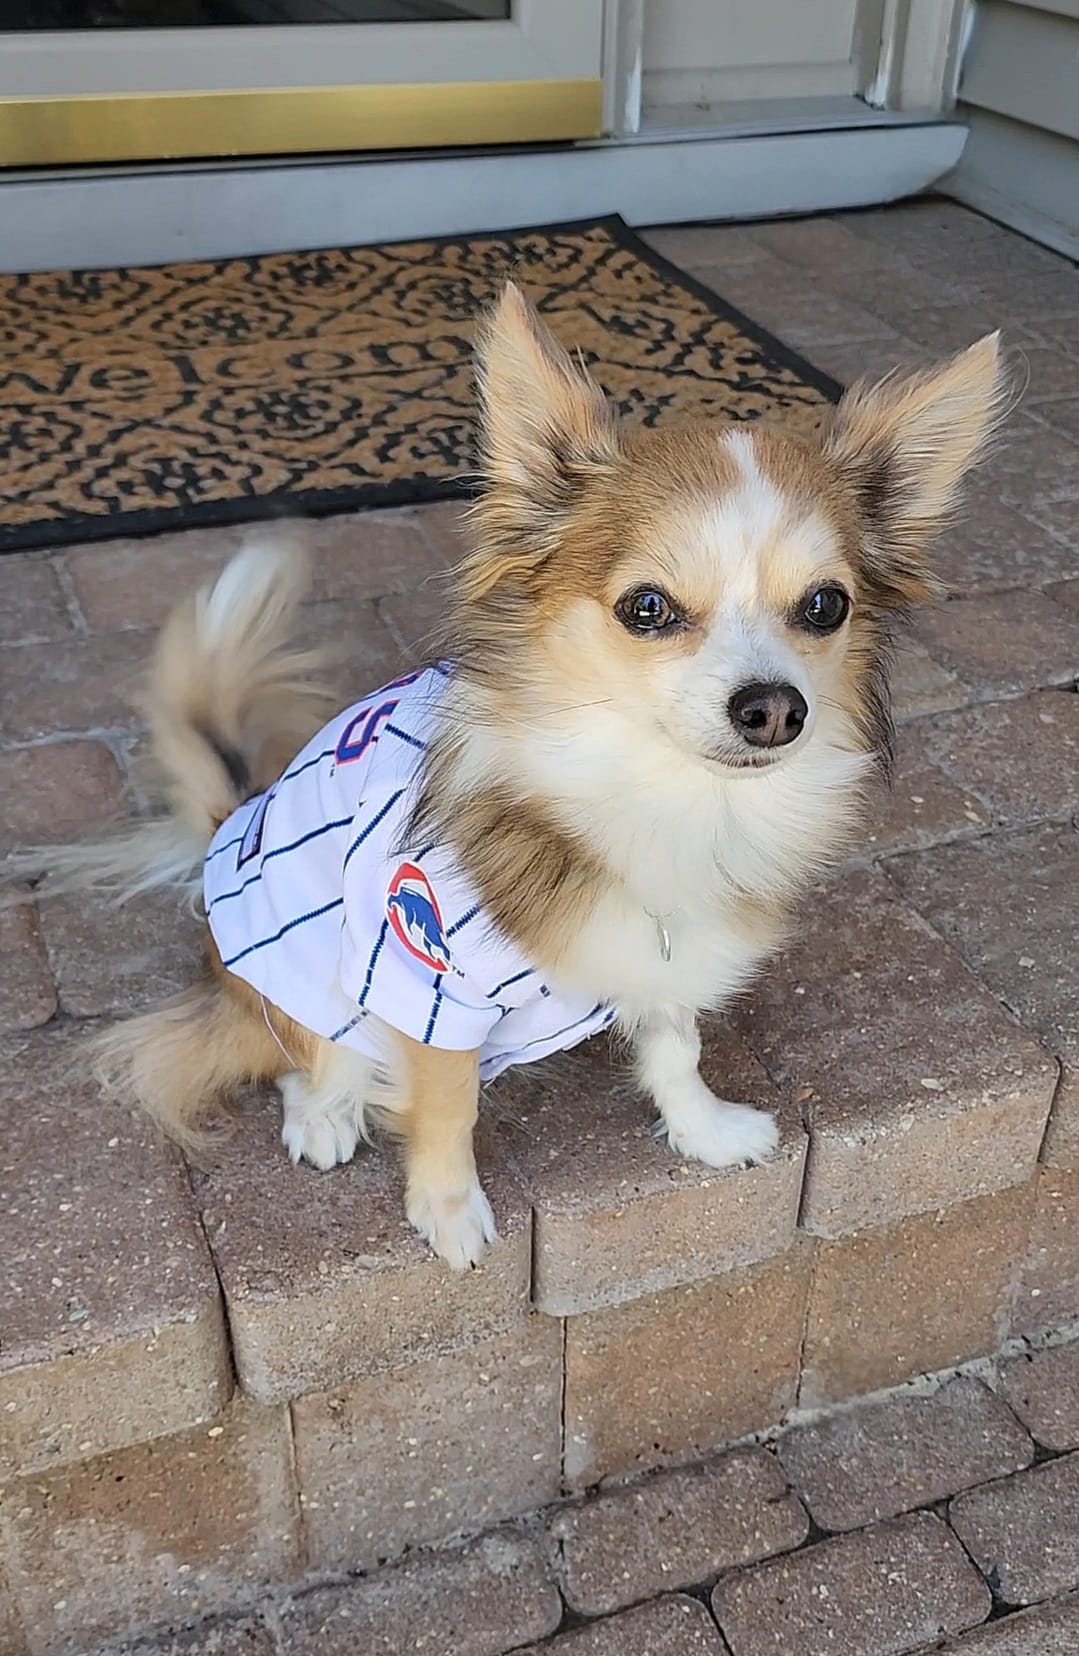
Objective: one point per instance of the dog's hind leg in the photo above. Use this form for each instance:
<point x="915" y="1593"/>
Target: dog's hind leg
<point x="179" y="1061"/>
<point x="325" y="1109"/>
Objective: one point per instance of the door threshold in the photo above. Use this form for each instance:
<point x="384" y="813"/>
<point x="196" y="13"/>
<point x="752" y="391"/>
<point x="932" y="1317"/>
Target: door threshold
<point x="752" y="117"/>
<point x="141" y="216"/>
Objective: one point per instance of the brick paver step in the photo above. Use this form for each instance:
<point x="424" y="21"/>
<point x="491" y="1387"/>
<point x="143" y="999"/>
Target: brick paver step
<point x="346" y="1287"/>
<point x="884" y="1458"/>
<point x="677" y="1375"/>
<point x="1023" y="1532"/>
<point x="1043" y="1389"/>
<point x="451" y="1445"/>
<point x="246" y="1637"/>
<point x="182" y="1527"/>
<point x="489" y="1598"/>
<point x="1049" y="1630"/>
<point x="908" y="1113"/>
<point x="617" y="1213"/>
<point x="675" y="1529"/>
<point x="876" y="1592"/>
<point x="1048" y="1296"/>
<point x="1006" y="903"/>
<point x="112" y="1323"/>
<point x="674" y="1626"/>
<point x="919" y="1296"/>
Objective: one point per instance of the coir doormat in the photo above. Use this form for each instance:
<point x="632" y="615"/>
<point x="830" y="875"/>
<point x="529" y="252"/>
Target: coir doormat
<point x="138" y="400"/>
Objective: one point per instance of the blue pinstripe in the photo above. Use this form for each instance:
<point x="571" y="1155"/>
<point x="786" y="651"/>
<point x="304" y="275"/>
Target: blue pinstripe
<point x="228" y="845"/>
<point x="327" y="753"/>
<point x="403" y="735"/>
<point x="542" y="1040"/>
<point x="278" y="851"/>
<point x="436" y="1006"/>
<point x="528" y="972"/>
<point x="373" y="962"/>
<point x="371" y="826"/>
<point x="459" y="925"/>
<point x="300" y="920"/>
<point x="345" y="1027"/>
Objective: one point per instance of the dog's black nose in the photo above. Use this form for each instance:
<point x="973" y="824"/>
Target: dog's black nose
<point x="768" y="715"/>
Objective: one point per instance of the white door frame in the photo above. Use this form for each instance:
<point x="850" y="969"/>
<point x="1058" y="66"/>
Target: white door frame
<point x="907" y="56"/>
<point x="920" y="46"/>
<point x="623" y="43"/>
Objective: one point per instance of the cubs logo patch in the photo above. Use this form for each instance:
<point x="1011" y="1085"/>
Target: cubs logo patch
<point x="413" y="912"/>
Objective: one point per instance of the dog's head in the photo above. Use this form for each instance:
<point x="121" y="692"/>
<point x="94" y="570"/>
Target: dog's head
<point x="728" y="588"/>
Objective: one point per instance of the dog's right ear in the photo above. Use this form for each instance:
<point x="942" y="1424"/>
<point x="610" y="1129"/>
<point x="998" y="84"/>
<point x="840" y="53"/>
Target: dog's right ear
<point x="546" y="430"/>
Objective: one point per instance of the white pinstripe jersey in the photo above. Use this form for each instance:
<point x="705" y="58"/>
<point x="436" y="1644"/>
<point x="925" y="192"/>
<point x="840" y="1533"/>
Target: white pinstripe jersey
<point x="313" y="899"/>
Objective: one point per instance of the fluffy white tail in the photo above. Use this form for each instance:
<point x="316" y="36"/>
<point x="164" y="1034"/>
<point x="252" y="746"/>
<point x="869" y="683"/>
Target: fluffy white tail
<point x="229" y="701"/>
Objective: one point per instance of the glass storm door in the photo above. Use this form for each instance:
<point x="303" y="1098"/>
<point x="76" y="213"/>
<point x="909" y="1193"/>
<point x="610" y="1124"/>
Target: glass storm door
<point x="100" y="81"/>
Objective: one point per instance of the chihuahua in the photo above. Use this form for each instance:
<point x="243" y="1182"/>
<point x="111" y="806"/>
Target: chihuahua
<point x="662" y="692"/>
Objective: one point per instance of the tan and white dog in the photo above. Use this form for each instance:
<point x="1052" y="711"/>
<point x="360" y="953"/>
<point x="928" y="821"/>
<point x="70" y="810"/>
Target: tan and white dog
<point x="667" y="688"/>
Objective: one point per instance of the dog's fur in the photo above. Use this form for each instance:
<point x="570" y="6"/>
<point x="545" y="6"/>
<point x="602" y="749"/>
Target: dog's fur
<point x="590" y="780"/>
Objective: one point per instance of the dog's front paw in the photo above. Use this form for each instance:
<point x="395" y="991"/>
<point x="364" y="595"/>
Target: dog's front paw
<point x="314" y="1132"/>
<point x="722" y="1135"/>
<point x="457" y="1224"/>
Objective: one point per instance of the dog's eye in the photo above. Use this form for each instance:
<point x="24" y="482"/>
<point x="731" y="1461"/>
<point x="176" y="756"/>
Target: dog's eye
<point x="825" y="610"/>
<point x="646" y="610"/>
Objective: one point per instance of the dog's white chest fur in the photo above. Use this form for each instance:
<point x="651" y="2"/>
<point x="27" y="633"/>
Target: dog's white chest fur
<point x="706" y="879"/>
<point x="638" y="960"/>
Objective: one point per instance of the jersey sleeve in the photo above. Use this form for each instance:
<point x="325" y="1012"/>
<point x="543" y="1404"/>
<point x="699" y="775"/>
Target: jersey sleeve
<point x="397" y="951"/>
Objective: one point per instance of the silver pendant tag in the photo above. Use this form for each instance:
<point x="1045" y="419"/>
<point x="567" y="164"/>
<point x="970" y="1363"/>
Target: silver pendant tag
<point x="664" y="940"/>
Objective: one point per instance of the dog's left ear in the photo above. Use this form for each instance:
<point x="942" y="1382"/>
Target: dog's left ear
<point x="902" y="448"/>
<point x="545" y="429"/>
